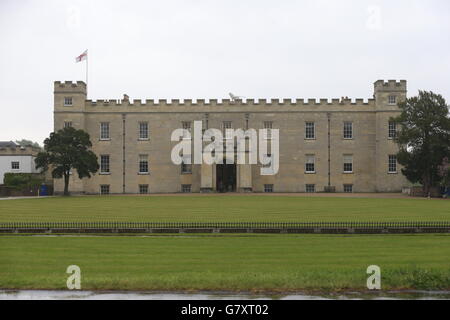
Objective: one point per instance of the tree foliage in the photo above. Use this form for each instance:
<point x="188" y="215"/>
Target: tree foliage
<point x="21" y="181"/>
<point x="424" y="138"/>
<point x="28" y="143"/>
<point x="65" y="150"/>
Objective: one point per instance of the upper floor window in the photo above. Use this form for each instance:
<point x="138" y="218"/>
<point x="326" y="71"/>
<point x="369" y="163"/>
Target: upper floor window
<point x="268" y="125"/>
<point x="186" y="126"/>
<point x="392" y="164"/>
<point x="392" y="130"/>
<point x="67" y="124"/>
<point x="348" y="130"/>
<point x="143" y="163"/>
<point x="104" y="131"/>
<point x="310" y="130"/>
<point x="104" y="164"/>
<point x="310" y="166"/>
<point x="15" y="165"/>
<point x="268" y="161"/>
<point x="68" y="101"/>
<point x="186" y="164"/>
<point x="143" y="131"/>
<point x="392" y="100"/>
<point x="227" y="133"/>
<point x="348" y="163"/>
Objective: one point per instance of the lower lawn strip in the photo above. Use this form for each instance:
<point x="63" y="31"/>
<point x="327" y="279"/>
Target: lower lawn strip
<point x="222" y="209"/>
<point x="259" y="263"/>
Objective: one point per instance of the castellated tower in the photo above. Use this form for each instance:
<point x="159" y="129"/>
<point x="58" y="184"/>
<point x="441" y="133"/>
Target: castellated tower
<point x="69" y="107"/>
<point x="387" y="96"/>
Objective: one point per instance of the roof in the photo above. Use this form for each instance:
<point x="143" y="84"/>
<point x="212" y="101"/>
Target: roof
<point x="8" y="144"/>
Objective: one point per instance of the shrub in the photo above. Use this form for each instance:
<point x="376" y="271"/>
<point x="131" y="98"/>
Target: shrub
<point x="20" y="181"/>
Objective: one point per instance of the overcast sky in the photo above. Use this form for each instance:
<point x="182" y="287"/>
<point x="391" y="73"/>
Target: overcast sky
<point x="205" y="49"/>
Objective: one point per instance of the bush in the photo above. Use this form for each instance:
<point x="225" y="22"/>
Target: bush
<point x="20" y="181"/>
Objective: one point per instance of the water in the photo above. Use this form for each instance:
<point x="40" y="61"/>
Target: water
<point x="117" y="295"/>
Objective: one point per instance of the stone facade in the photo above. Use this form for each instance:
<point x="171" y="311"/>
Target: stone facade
<point x="368" y="147"/>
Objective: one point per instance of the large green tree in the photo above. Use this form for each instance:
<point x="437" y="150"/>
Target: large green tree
<point x="424" y="138"/>
<point x="28" y="143"/>
<point x="65" y="150"/>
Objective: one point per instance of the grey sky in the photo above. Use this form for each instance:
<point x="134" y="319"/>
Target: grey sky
<point x="205" y="49"/>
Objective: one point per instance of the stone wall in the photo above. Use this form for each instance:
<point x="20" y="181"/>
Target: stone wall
<point x="370" y="145"/>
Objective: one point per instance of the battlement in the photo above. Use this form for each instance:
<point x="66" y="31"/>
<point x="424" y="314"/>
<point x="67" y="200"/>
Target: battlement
<point x="381" y="86"/>
<point x="69" y="86"/>
<point x="227" y="102"/>
<point x="390" y="85"/>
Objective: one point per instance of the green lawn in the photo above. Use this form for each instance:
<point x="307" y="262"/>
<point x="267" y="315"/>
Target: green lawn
<point x="238" y="262"/>
<point x="223" y="208"/>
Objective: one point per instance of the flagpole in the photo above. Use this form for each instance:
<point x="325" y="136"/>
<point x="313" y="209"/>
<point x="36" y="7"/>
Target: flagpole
<point x="87" y="68"/>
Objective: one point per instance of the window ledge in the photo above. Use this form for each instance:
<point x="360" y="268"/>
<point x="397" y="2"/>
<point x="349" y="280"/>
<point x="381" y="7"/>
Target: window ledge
<point x="310" y="172"/>
<point x="348" y="138"/>
<point x="310" y="139"/>
<point x="186" y="173"/>
<point x="144" y="173"/>
<point x="142" y="139"/>
<point x="105" y="173"/>
<point x="104" y="139"/>
<point x="348" y="172"/>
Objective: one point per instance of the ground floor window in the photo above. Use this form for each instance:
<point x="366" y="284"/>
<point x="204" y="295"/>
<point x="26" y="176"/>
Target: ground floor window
<point x="348" y="188"/>
<point x="392" y="165"/>
<point x="310" y="188"/>
<point x="186" y="188"/>
<point x="268" y="188"/>
<point x="104" y="189"/>
<point x="143" y="188"/>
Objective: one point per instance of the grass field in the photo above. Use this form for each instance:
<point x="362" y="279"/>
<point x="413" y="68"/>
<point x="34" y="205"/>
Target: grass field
<point x="225" y="262"/>
<point x="223" y="208"/>
<point x="278" y="263"/>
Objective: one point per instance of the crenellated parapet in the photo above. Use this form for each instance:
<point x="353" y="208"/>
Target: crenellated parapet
<point x="69" y="86"/>
<point x="226" y="102"/>
<point x="390" y="86"/>
<point x="382" y="89"/>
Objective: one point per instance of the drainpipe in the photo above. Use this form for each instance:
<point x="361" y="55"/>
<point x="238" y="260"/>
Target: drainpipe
<point x="329" y="149"/>
<point x="123" y="153"/>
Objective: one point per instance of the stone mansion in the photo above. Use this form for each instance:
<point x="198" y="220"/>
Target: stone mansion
<point x="338" y="145"/>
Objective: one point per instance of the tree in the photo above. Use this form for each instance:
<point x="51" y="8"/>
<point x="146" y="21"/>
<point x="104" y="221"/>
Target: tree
<point x="444" y="172"/>
<point x="65" y="150"/>
<point x="28" y="143"/>
<point x="424" y="138"/>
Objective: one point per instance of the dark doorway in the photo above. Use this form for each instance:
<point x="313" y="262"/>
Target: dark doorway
<point x="226" y="177"/>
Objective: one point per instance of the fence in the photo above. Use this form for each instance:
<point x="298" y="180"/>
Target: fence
<point x="257" y="227"/>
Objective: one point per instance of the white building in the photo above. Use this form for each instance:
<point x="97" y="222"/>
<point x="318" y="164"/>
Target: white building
<point x="17" y="159"/>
